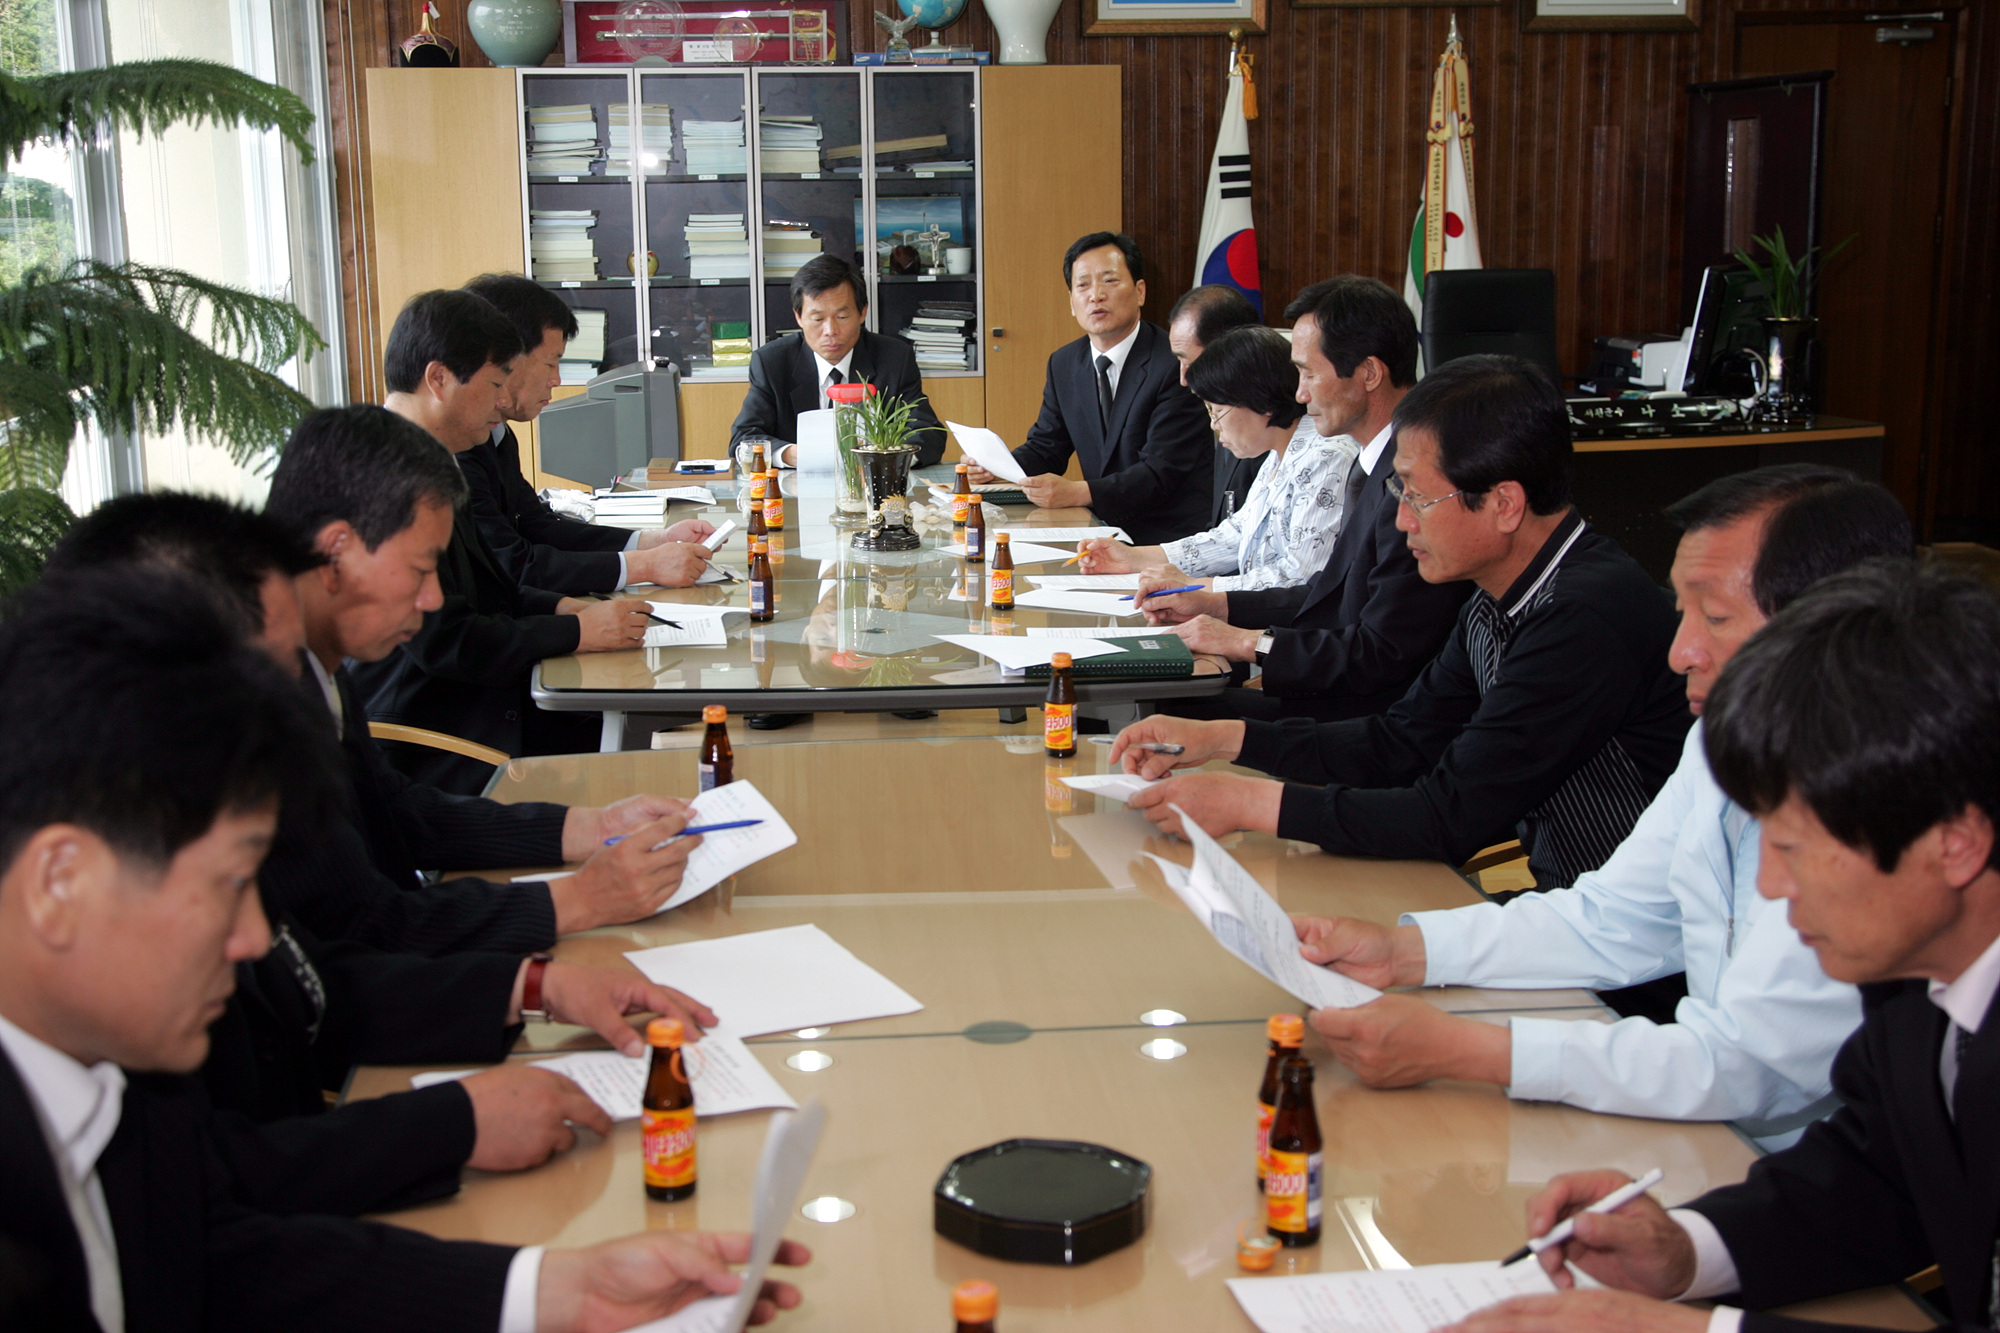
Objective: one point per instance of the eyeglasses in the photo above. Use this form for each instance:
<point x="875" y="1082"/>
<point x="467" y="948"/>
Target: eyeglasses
<point x="1217" y="411"/>
<point x="1402" y="494"/>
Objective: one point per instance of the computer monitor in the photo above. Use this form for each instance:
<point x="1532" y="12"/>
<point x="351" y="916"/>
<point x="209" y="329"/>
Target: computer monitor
<point x="1726" y="313"/>
<point x="622" y="420"/>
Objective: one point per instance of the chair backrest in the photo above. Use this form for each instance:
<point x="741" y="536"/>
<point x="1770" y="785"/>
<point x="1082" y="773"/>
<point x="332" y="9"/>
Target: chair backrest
<point x="1506" y="311"/>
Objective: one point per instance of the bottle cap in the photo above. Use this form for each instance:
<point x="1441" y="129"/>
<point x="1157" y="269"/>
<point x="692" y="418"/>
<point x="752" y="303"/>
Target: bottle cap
<point x="975" y="1302"/>
<point x="716" y="713"/>
<point x="665" y="1032"/>
<point x="1286" y="1029"/>
<point x="1256" y="1254"/>
<point x="1000" y="537"/>
<point x="958" y="467"/>
<point x="1061" y="661"/>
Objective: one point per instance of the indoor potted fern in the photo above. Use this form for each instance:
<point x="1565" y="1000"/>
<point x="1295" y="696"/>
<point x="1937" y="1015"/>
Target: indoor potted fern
<point x="1789" y="283"/>
<point x="882" y="444"/>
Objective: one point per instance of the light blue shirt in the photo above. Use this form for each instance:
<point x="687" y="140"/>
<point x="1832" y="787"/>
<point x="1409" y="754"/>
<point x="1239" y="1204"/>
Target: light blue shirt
<point x="1755" y="1038"/>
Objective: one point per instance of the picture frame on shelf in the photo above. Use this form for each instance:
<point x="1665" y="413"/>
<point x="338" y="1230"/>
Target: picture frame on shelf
<point x="1174" y="18"/>
<point x="1610" y="15"/>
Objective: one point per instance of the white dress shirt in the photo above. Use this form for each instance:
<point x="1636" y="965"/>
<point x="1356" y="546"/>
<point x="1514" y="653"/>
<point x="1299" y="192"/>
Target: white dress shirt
<point x="1288" y="522"/>
<point x="78" y="1109"/>
<point x="826" y="368"/>
<point x="1119" y="355"/>
<point x="1371" y="453"/>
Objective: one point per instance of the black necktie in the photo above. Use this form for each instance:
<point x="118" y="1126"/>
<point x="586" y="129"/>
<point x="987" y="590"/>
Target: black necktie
<point x="833" y="377"/>
<point x="1104" y="391"/>
<point x="1357" y="477"/>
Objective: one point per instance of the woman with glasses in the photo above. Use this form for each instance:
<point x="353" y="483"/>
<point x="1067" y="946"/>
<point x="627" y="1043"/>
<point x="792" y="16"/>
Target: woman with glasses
<point x="1287" y="524"/>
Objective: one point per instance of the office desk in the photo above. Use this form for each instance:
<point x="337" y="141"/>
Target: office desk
<point x="941" y="864"/>
<point x="854" y="632"/>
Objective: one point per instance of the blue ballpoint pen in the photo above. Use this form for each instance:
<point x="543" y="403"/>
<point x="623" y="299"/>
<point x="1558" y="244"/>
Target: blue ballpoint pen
<point x="1160" y="592"/>
<point x="698" y="828"/>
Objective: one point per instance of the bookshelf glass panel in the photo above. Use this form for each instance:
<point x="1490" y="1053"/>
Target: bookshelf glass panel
<point x="697" y="210"/>
<point x="927" y="213"/>
<point x="809" y="159"/>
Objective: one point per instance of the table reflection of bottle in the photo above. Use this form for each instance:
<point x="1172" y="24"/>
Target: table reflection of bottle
<point x="1058" y="799"/>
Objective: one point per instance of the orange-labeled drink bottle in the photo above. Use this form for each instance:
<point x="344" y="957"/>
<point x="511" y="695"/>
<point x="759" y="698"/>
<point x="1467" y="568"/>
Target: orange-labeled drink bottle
<point x="668" y="1115"/>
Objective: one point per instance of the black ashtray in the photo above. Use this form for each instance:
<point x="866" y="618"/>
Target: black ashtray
<point x="1043" y="1201"/>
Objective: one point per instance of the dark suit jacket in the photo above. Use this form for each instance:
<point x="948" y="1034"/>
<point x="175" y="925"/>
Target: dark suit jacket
<point x="784" y="381"/>
<point x="1363" y="627"/>
<point x="194" y="1259"/>
<point x="1233" y="478"/>
<point x="466" y="671"/>
<point x="1887" y="1185"/>
<point x="536" y="546"/>
<point x="1153" y="471"/>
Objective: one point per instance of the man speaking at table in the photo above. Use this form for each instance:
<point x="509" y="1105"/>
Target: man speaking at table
<point x="1115" y="401"/>
<point x="791" y="375"/>
<point x="1863" y="728"/>
<point x="1755" y="1038"/>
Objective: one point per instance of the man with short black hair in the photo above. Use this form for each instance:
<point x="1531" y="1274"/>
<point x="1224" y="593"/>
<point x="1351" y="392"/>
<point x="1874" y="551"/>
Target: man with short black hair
<point x="1115" y="402"/>
<point x="1348" y="642"/>
<point x="1202" y="315"/>
<point x="1551" y="714"/>
<point x="131" y="836"/>
<point x="790" y="375"/>
<point x="465" y="673"/>
<point x="1862" y="727"/>
<point x="1755" y="1037"/>
<point x="538" y="546"/>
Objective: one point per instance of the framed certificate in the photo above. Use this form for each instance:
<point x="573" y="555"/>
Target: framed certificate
<point x="1126" y="18"/>
<point x="1610" y="15"/>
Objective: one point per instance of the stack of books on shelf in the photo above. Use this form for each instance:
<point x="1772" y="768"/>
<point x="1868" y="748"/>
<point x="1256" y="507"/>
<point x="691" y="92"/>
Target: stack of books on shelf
<point x="559" y="248"/>
<point x="729" y="342"/>
<point x="656" y="141"/>
<point x="715" y="147"/>
<point x="941" y="331"/>
<point x="788" y="143"/>
<point x="787" y="246"/>
<point x="584" y="353"/>
<point x="718" y="246"/>
<point x="562" y="140"/>
<point x="897" y="150"/>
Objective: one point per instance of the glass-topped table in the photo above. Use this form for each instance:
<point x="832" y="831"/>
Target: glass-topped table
<point x="854" y="632"/>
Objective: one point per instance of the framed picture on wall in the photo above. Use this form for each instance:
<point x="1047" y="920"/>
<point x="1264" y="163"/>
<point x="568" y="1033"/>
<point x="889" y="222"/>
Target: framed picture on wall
<point x="1390" y="4"/>
<point x="1166" y="18"/>
<point x="1610" y="15"/>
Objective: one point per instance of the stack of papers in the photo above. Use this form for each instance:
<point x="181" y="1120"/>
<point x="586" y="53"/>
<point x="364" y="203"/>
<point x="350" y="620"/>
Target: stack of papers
<point x="584" y="353"/>
<point x="1018" y="654"/>
<point x="698" y="626"/>
<point x="787" y="247"/>
<point x="630" y="505"/>
<point x="1084" y="582"/>
<point x="714" y="147"/>
<point x="941" y="331"/>
<point x="656" y="141"/>
<point x="788" y="143"/>
<point x="1407" y="1300"/>
<point x="725" y="1076"/>
<point x="562" y="140"/>
<point x="718" y="245"/>
<point x="775" y="980"/>
<point x="989" y="451"/>
<point x="559" y="248"/>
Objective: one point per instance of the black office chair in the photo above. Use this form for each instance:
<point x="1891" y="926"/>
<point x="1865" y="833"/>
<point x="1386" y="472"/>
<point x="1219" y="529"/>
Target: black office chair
<point x="1474" y="311"/>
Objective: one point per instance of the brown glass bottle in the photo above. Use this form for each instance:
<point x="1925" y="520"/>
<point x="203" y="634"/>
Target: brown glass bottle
<point x="975" y="1306"/>
<point x="763" y="586"/>
<point x="774" y="502"/>
<point x="961" y="497"/>
<point x="975" y="533"/>
<point x="667" y="1117"/>
<point x="757" y="459"/>
<point x="717" y="765"/>
<point x="1295" y="1179"/>
<point x="1059" y="709"/>
<point x="756" y="527"/>
<point x="1002" y="575"/>
<point x="1286" y="1031"/>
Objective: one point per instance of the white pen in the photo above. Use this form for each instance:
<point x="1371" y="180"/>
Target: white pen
<point x="716" y="538"/>
<point x="1566" y="1228"/>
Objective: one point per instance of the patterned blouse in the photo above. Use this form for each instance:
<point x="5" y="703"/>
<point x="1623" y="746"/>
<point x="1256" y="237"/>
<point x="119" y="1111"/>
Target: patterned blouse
<point x="1283" y="532"/>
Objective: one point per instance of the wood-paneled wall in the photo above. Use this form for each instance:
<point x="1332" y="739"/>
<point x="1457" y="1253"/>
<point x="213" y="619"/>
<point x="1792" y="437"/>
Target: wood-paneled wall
<point x="1579" y="165"/>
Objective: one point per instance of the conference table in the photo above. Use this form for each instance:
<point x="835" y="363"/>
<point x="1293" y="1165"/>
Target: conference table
<point x="854" y="631"/>
<point x="1067" y="994"/>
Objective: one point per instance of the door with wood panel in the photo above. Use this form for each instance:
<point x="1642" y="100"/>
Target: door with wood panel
<point x="1884" y="184"/>
<point x="1054" y="165"/>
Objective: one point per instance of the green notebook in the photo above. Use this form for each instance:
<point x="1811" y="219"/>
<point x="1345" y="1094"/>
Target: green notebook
<point x="1164" y="657"/>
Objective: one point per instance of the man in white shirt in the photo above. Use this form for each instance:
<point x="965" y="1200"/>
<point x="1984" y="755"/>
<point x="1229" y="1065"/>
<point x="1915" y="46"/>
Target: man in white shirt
<point x="1863" y="728"/>
<point x="132" y="834"/>
<point x="1755" y="1038"/>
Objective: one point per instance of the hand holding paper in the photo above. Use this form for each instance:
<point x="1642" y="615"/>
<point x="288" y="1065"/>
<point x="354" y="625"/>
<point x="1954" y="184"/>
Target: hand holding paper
<point x="988" y="450"/>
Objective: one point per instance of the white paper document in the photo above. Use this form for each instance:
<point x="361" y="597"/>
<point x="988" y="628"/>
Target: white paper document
<point x="542" y="877"/>
<point x="1083" y="603"/>
<point x="705" y="632"/>
<point x="1124" y="786"/>
<point x="653" y="496"/>
<point x="1397" y="1300"/>
<point x="1246" y="921"/>
<point x="781" y="1175"/>
<point x="716" y="574"/>
<point x="1024" y="553"/>
<point x="725" y="1076"/>
<point x="723" y="854"/>
<point x="689" y="611"/>
<point x="817" y="451"/>
<point x="1086" y="582"/>
<point x="988" y="450"/>
<point x="1017" y="653"/>
<point x="776" y="980"/>
<point x="1063" y="534"/>
<point x="1099" y="632"/>
<point x="715" y="539"/>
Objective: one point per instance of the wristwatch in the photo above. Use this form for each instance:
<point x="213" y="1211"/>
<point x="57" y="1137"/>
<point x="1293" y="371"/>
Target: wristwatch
<point x="532" y="1008"/>
<point x="1265" y="643"/>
